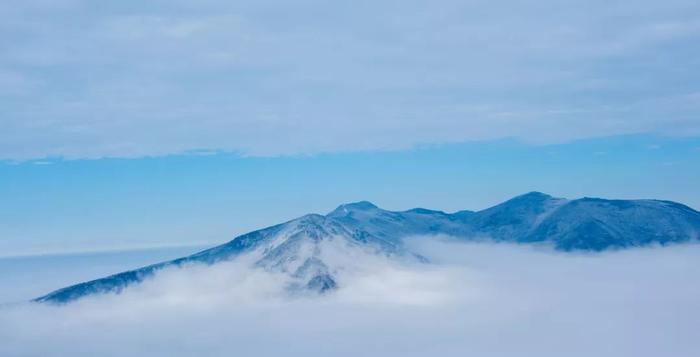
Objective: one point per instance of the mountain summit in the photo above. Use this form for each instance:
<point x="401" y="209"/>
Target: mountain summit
<point x="354" y="207"/>
<point x="301" y="247"/>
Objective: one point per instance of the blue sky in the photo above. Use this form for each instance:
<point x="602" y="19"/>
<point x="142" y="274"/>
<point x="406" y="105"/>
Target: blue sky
<point x="54" y="205"/>
<point x="109" y="112"/>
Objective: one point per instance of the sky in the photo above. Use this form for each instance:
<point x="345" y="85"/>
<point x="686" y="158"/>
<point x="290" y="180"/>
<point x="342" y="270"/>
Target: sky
<point x="134" y="132"/>
<point x="80" y="79"/>
<point x="128" y="125"/>
<point x="58" y="206"/>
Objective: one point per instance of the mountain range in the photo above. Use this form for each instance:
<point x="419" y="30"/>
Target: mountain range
<point x="300" y="247"/>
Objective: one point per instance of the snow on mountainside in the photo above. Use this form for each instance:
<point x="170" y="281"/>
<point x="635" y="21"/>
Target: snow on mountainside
<point x="301" y="247"/>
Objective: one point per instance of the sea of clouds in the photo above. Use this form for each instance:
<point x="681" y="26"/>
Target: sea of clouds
<point x="472" y="299"/>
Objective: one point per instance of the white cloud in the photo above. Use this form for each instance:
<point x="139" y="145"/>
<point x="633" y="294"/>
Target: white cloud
<point x="481" y="299"/>
<point x="271" y="78"/>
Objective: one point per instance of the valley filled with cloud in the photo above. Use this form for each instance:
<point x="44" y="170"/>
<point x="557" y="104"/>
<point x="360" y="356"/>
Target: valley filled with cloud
<point x="471" y="298"/>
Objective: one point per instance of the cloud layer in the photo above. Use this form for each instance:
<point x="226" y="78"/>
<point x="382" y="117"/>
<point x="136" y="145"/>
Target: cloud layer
<point x="481" y="299"/>
<point x="269" y="78"/>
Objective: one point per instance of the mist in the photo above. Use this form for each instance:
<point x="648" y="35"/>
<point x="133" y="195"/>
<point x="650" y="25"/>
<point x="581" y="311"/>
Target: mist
<point x="481" y="299"/>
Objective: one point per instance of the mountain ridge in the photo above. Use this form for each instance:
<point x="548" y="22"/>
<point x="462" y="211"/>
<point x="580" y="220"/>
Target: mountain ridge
<point x="296" y="247"/>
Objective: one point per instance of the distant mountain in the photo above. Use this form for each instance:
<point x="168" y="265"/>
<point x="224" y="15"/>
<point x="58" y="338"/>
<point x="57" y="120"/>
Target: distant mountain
<point x="298" y="247"/>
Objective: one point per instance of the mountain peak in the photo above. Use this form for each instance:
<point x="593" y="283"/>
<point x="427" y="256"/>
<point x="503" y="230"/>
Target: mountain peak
<point x="534" y="195"/>
<point x="353" y="206"/>
<point x="360" y="205"/>
<point x="531" y="198"/>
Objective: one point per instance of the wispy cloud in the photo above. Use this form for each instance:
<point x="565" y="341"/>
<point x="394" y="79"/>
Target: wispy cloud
<point x="130" y="80"/>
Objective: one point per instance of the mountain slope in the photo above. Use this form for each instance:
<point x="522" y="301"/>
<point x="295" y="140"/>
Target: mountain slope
<point x="513" y="219"/>
<point x="295" y="247"/>
<point x="597" y="224"/>
<point x="298" y="247"/>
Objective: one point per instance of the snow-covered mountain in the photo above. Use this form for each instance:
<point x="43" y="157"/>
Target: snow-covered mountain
<point x="301" y="247"/>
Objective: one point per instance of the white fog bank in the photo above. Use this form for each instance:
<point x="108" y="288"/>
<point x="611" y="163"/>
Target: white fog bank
<point x="473" y="299"/>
